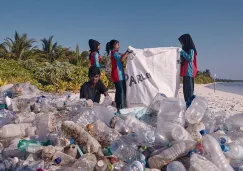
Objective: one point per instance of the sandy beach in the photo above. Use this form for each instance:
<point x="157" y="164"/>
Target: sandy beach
<point x="227" y="98"/>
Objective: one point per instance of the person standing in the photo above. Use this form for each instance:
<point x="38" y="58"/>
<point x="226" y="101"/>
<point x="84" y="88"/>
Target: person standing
<point x="117" y="72"/>
<point x="188" y="66"/>
<point x="94" y="56"/>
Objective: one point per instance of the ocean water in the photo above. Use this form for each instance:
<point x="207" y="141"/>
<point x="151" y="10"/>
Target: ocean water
<point x="234" y="87"/>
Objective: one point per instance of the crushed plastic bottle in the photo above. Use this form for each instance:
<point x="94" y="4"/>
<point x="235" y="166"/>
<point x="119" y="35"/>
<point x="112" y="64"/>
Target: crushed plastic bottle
<point x="196" y="111"/>
<point x="178" y="149"/>
<point x="13" y="130"/>
<point x="212" y="147"/>
<point x="32" y="146"/>
<point x="233" y="151"/>
<point x="6" y="117"/>
<point x="171" y="113"/>
<point x="200" y="163"/>
<point x="125" y="152"/>
<point x="179" y="133"/>
<point x="135" y="166"/>
<point x="175" y="166"/>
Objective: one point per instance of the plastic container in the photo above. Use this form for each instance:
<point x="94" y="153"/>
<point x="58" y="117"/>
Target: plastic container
<point x="237" y="165"/>
<point x="171" y="113"/>
<point x="175" y="166"/>
<point x="6" y="117"/>
<point x="135" y="166"/>
<point x="125" y="152"/>
<point x="13" y="130"/>
<point x="212" y="147"/>
<point x="179" y="134"/>
<point x="200" y="163"/>
<point x="178" y="149"/>
<point x="101" y="165"/>
<point x="233" y="151"/>
<point x="196" y="111"/>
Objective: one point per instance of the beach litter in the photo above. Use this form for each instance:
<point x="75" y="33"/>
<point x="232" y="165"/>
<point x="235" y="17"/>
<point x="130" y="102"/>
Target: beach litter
<point x="40" y="131"/>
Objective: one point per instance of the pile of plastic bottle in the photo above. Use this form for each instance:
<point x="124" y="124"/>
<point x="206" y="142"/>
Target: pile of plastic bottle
<point x="41" y="131"/>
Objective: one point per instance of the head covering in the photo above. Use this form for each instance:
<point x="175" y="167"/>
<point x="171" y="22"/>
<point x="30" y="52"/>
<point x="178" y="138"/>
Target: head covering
<point x="187" y="43"/>
<point x="93" y="45"/>
<point x="94" y="71"/>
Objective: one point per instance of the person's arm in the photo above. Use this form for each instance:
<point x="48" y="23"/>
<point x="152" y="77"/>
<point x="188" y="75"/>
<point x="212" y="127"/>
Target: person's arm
<point x="189" y="56"/>
<point x="83" y="92"/>
<point x="121" y="57"/>
<point x="96" y="61"/>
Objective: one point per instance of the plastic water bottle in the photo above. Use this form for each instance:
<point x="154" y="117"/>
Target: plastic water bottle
<point x="209" y="121"/>
<point x="103" y="114"/>
<point x="179" y="133"/>
<point x="194" y="130"/>
<point x="237" y="165"/>
<point x="13" y="130"/>
<point x="175" y="166"/>
<point x="200" y="163"/>
<point x="221" y="137"/>
<point x="31" y="146"/>
<point x="139" y="138"/>
<point x="233" y="151"/>
<point x="101" y="165"/>
<point x="135" y="166"/>
<point x="6" y="117"/>
<point x="239" y="141"/>
<point x="107" y="101"/>
<point x="171" y="113"/>
<point x="212" y="147"/>
<point x="196" y="111"/>
<point x="178" y="149"/>
<point x="234" y="122"/>
<point x="125" y="152"/>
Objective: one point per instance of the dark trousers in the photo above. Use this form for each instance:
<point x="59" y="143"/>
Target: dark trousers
<point x="188" y="87"/>
<point x="120" y="96"/>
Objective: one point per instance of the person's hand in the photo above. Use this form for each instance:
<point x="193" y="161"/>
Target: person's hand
<point x="113" y="104"/>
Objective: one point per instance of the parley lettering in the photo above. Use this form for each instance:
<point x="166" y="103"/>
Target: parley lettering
<point x="136" y="80"/>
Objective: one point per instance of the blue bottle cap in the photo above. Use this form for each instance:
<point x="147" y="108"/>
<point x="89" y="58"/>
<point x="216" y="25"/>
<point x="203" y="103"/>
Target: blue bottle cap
<point x="203" y="132"/>
<point x="222" y="140"/>
<point x="224" y="148"/>
<point x="58" y="160"/>
<point x="191" y="152"/>
<point x="72" y="141"/>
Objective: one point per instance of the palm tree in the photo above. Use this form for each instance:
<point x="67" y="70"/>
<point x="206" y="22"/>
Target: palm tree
<point x="51" y="51"/>
<point x="18" y="47"/>
<point x="3" y="51"/>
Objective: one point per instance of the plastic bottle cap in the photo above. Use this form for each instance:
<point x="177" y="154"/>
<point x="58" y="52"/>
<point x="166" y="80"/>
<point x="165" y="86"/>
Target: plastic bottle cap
<point x="71" y="141"/>
<point x="100" y="163"/>
<point x="191" y="152"/>
<point x="222" y="140"/>
<point x="224" y="148"/>
<point x="203" y="132"/>
<point x="110" y="167"/>
<point x="58" y="160"/>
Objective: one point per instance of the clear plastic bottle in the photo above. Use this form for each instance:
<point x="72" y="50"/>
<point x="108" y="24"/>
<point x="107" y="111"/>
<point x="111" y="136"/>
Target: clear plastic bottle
<point x="221" y="137"/>
<point x="200" y="163"/>
<point x="209" y="122"/>
<point x="13" y="130"/>
<point x="237" y="165"/>
<point x="233" y="151"/>
<point x="107" y="101"/>
<point x="175" y="166"/>
<point x="196" y="111"/>
<point x="179" y="133"/>
<point x="31" y="146"/>
<point x="135" y="166"/>
<point x="6" y="117"/>
<point x="139" y="138"/>
<point x="171" y="113"/>
<point x="234" y="122"/>
<point x="125" y="152"/>
<point x="178" y="149"/>
<point x="101" y="165"/>
<point x="212" y="147"/>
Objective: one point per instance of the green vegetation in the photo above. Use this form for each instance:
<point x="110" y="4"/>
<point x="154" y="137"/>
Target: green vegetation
<point x="52" y="68"/>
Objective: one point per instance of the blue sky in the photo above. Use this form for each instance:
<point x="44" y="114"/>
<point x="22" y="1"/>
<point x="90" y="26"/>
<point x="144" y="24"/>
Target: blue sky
<point x="216" y="26"/>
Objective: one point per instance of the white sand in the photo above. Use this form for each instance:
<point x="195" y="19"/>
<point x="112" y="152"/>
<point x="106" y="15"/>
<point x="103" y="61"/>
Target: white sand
<point x="231" y="103"/>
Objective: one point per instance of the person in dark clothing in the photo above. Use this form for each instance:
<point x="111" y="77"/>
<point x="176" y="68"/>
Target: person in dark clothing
<point x="94" y="56"/>
<point x="188" y="66"/>
<point x="94" y="87"/>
